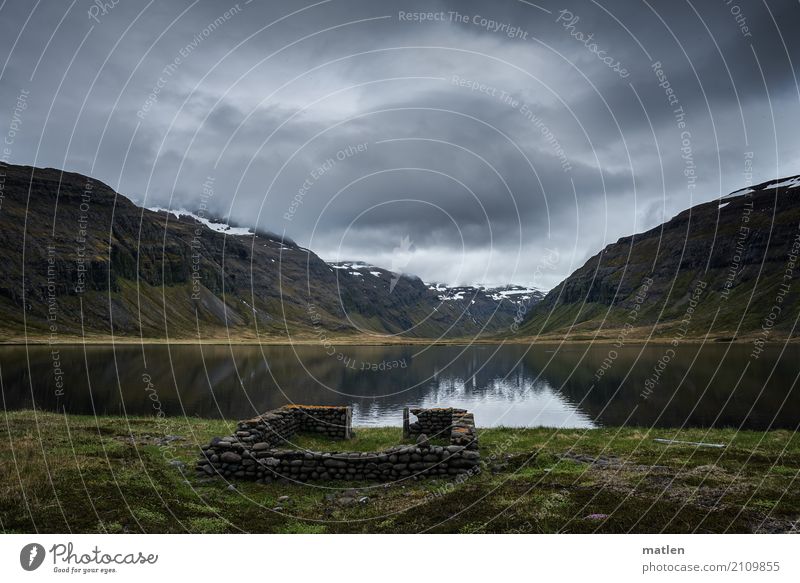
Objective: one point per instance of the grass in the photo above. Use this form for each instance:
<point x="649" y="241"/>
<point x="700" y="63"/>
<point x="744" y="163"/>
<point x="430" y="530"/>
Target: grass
<point x="62" y="473"/>
<point x="362" y="440"/>
<point x="366" y="439"/>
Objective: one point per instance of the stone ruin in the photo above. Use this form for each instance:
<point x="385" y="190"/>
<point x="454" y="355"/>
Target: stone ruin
<point x="260" y="449"/>
<point x="457" y="425"/>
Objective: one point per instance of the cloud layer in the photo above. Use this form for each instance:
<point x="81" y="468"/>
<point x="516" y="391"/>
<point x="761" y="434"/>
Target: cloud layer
<point x="485" y="134"/>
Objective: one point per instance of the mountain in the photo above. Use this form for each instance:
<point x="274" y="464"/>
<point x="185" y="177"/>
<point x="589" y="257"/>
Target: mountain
<point x="727" y="268"/>
<point x="491" y="307"/>
<point x="79" y="259"/>
<point x="508" y="303"/>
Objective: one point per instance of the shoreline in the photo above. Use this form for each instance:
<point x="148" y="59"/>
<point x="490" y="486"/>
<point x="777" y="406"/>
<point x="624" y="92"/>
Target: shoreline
<point x="367" y="341"/>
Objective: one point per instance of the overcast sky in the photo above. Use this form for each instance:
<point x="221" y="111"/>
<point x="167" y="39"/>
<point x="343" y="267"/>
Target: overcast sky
<point x="468" y="147"/>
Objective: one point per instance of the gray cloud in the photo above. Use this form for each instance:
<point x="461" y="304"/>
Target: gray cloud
<point x="549" y="149"/>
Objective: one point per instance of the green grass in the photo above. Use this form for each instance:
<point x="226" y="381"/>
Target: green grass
<point x="363" y="440"/>
<point x="366" y="439"/>
<point x="109" y="474"/>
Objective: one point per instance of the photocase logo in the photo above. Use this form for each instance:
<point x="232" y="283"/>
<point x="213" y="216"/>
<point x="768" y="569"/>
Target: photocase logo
<point x="31" y="556"/>
<point x="401" y="257"/>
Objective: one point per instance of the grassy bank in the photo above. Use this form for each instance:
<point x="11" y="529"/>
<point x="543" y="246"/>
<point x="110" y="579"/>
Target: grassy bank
<point x="110" y="474"/>
<point x="641" y="335"/>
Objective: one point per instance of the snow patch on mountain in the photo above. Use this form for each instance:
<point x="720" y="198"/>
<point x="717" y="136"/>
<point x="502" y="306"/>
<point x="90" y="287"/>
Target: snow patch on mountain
<point x="789" y="182"/>
<point x="792" y="182"/>
<point x="357" y="268"/>
<point x="217" y="226"/>
<point x="350" y="265"/>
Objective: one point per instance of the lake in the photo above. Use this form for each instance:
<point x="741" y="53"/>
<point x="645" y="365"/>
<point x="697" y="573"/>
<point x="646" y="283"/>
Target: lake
<point x="575" y="386"/>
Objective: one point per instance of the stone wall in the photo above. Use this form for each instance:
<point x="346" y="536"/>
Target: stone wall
<point x="257" y="450"/>
<point x="234" y="460"/>
<point x="278" y="426"/>
<point x="457" y="425"/>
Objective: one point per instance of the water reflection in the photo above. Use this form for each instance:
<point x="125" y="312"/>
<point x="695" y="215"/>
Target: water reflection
<point x="507" y="385"/>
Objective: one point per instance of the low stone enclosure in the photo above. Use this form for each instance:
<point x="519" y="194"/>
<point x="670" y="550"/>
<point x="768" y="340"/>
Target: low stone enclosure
<point x="260" y="448"/>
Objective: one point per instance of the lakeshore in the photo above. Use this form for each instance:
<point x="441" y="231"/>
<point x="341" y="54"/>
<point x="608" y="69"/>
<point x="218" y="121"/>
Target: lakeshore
<point x="637" y="336"/>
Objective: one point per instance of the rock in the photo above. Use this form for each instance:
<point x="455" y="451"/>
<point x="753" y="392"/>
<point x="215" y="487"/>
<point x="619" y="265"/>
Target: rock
<point x="422" y="440"/>
<point x="331" y="463"/>
<point x="363" y="500"/>
<point x="284" y="499"/>
<point x="231" y="487"/>
<point x="177" y="464"/>
<point x="230" y="458"/>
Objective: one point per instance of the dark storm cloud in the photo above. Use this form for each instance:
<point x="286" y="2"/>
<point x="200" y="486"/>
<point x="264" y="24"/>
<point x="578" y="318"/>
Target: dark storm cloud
<point x="484" y="140"/>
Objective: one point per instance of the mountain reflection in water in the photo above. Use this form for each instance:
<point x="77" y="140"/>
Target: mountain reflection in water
<point x="513" y="385"/>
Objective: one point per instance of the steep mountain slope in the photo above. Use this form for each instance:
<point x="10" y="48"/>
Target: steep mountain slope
<point x="79" y="259"/>
<point x="727" y="268"/>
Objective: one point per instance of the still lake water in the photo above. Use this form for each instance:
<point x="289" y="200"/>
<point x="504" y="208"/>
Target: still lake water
<point x="513" y="385"/>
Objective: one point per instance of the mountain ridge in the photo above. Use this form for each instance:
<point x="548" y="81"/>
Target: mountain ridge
<point x="726" y="259"/>
<point x="82" y="260"/>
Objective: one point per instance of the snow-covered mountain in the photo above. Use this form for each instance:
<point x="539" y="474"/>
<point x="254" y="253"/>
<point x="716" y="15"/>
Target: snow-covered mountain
<point x="516" y="294"/>
<point x="494" y="306"/>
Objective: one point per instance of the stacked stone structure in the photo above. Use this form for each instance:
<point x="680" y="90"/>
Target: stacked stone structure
<point x="258" y="449"/>
<point x="279" y="425"/>
<point x="457" y="425"/>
